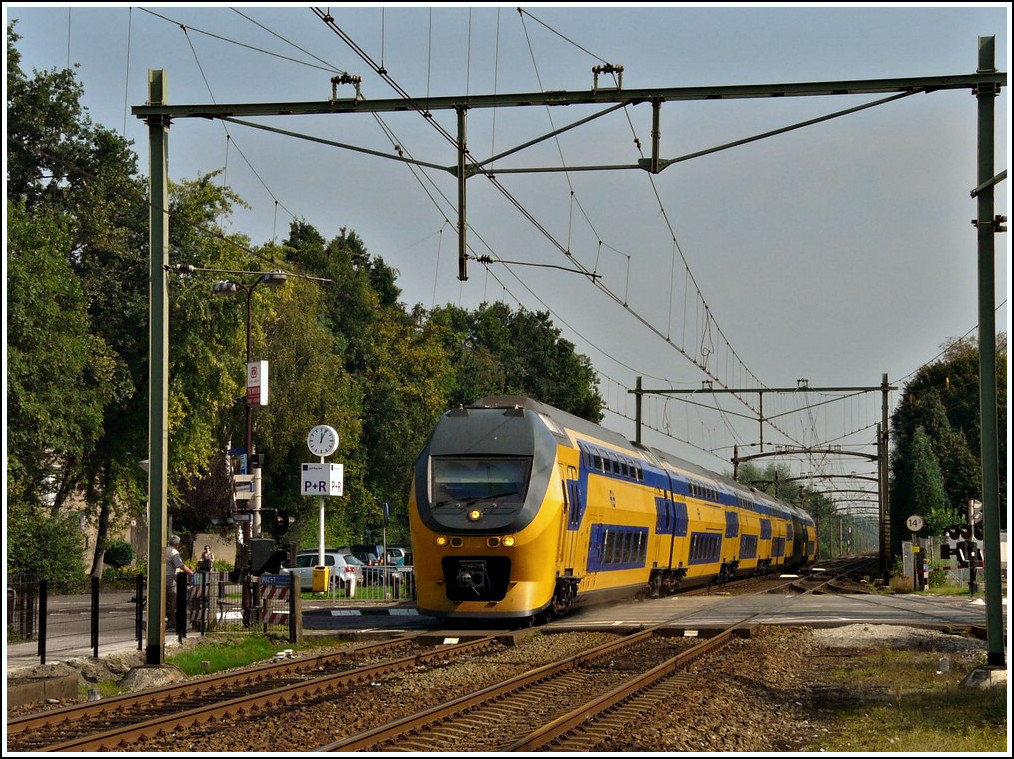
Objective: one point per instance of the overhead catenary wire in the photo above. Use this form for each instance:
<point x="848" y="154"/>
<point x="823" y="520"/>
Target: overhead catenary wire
<point x="707" y="321"/>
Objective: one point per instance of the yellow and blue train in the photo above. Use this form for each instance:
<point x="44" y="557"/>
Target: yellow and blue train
<point x="521" y="511"/>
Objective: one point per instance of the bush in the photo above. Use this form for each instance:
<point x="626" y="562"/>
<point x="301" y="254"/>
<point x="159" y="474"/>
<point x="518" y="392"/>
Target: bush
<point x="46" y="546"/>
<point x="119" y="553"/>
<point x="123" y="577"/>
<point x="901" y="585"/>
<point x="938" y="575"/>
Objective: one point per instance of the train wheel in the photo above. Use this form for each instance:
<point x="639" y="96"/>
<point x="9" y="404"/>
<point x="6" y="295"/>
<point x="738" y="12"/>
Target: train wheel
<point x="655" y="586"/>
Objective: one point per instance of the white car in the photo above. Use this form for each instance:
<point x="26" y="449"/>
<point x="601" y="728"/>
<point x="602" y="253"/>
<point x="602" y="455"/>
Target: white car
<point x="342" y="566"/>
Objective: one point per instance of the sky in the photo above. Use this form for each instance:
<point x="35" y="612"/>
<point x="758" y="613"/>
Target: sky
<point x="828" y="255"/>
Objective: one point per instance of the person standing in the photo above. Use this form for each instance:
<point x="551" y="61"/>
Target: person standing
<point x="173" y="563"/>
<point x="207" y="561"/>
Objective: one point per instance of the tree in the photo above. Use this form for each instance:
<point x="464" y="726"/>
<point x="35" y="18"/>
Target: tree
<point x="40" y="543"/>
<point x="499" y="352"/>
<point x="942" y="398"/>
<point x="54" y="416"/>
<point x="925" y="494"/>
<point x="61" y="166"/>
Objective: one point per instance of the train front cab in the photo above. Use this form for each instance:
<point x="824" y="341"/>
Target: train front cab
<point x="485" y="512"/>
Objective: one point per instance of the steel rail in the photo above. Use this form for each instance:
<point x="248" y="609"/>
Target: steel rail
<point x="385" y="732"/>
<point x="76" y="713"/>
<point x="574" y="719"/>
<point x="127" y="735"/>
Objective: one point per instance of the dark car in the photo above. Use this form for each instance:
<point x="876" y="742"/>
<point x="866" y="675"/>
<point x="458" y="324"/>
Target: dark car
<point x="402" y="577"/>
<point x="369" y="553"/>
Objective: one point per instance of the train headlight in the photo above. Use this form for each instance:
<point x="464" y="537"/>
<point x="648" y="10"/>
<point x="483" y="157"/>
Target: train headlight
<point x="441" y="540"/>
<point x="508" y="540"/>
<point x="474" y="515"/>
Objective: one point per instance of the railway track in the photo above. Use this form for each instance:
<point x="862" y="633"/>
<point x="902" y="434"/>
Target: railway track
<point x="118" y="722"/>
<point x="524" y="712"/>
<point x="561" y="706"/>
<point x="627" y="671"/>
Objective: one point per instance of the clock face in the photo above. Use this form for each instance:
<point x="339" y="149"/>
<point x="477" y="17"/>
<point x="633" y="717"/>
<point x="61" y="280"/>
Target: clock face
<point x="322" y="440"/>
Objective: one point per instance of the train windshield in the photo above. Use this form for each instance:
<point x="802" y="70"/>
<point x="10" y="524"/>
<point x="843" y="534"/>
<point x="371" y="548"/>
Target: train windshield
<point x="476" y="479"/>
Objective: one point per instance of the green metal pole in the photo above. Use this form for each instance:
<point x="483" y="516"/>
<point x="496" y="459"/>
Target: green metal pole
<point x="986" y="98"/>
<point x="462" y="216"/>
<point x="158" y="370"/>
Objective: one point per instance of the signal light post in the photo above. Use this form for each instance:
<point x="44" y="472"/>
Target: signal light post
<point x="257" y="370"/>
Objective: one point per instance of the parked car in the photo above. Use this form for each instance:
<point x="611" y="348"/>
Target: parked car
<point x="369" y="553"/>
<point x="343" y="566"/>
<point x="403" y="568"/>
<point x="397" y="572"/>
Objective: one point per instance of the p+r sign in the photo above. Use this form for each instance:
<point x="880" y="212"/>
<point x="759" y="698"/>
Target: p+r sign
<point x="322" y="479"/>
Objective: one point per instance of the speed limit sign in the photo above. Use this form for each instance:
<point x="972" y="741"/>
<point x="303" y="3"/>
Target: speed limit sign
<point x="914" y="523"/>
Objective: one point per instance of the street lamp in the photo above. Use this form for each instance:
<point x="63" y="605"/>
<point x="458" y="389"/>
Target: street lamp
<point x="229" y="287"/>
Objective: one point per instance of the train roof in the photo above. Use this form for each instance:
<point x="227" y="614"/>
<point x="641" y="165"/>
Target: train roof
<point x="563" y="418"/>
<point x="598" y="432"/>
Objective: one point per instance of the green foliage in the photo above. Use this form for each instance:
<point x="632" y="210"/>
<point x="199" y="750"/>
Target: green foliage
<point x="56" y="414"/>
<point x="226" y="654"/>
<point x="938" y="574"/>
<point x="502" y="352"/>
<point x="119" y="553"/>
<point x="341" y="347"/>
<point x="942" y="399"/>
<point x="44" y="545"/>
<point x="925" y="484"/>
<point x="897" y="566"/>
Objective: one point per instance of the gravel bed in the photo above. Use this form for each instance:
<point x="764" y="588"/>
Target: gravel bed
<point x="758" y="694"/>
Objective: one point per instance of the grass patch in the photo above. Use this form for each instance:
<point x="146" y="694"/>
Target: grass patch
<point x="227" y="653"/>
<point x="898" y="702"/>
<point x="106" y="689"/>
<point x="363" y="593"/>
<point x="239" y="651"/>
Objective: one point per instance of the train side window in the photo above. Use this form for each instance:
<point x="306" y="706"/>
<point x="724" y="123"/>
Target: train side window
<point x="663" y="516"/>
<point x="748" y="547"/>
<point x="731" y="524"/>
<point x="681" y="521"/>
<point x="576" y="508"/>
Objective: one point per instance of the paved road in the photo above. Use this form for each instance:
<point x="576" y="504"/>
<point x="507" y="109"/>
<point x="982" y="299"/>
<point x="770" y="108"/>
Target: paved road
<point x="689" y="612"/>
<point x="69" y="620"/>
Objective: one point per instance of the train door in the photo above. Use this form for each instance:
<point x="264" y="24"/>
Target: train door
<point x="570" y="522"/>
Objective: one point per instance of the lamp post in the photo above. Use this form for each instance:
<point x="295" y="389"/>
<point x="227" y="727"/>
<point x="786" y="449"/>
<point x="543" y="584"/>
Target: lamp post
<point x="228" y="287"/>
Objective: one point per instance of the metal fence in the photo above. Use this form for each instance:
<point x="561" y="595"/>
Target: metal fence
<point x="216" y="604"/>
<point x="110" y="616"/>
<point x="22" y="607"/>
